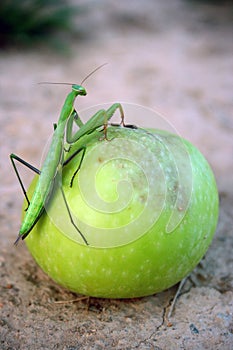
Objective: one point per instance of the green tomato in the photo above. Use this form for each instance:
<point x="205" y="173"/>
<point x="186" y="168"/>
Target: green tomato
<point x="146" y="202"/>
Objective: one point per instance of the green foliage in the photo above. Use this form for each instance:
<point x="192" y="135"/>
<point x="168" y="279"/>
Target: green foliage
<point x="30" y="21"/>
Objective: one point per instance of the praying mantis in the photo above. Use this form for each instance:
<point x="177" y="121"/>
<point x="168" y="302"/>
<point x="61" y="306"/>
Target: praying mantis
<point x="54" y="159"/>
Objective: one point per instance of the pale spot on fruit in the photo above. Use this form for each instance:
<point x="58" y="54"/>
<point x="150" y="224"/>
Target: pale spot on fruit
<point x="90" y="262"/>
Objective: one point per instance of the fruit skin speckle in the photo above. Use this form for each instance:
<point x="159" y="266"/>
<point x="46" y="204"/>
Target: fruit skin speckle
<point x="184" y="212"/>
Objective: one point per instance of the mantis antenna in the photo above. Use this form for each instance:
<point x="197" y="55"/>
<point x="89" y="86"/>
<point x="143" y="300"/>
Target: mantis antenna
<point x="95" y="70"/>
<point x="88" y="76"/>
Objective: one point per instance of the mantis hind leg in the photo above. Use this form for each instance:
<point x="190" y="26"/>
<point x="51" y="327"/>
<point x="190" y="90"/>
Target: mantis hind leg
<point x="13" y="158"/>
<point x="71" y="218"/>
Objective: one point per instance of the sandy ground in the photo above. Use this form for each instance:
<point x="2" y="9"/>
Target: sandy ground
<point x="172" y="56"/>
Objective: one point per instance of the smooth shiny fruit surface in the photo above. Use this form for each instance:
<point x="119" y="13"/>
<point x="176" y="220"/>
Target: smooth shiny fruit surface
<point x="146" y="202"/>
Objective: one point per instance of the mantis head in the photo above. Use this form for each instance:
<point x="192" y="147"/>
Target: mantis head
<point x="79" y="89"/>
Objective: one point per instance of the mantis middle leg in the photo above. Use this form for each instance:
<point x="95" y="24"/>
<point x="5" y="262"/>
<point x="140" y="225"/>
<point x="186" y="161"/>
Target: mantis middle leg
<point x="14" y="157"/>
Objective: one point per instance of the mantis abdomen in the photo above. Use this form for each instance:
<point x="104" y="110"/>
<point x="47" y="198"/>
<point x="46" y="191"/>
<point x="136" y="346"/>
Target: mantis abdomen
<point x="45" y="182"/>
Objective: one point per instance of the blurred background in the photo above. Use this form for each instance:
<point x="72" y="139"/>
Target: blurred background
<point x="175" y="57"/>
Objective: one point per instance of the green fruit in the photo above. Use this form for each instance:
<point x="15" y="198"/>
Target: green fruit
<point x="146" y="202"/>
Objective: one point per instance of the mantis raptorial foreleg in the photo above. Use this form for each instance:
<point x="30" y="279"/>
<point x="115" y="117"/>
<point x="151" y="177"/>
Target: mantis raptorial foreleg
<point x="100" y="118"/>
<point x="74" y="117"/>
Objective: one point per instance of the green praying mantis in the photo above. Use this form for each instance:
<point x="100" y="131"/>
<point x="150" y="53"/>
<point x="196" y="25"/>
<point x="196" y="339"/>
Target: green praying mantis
<point x="54" y="159"/>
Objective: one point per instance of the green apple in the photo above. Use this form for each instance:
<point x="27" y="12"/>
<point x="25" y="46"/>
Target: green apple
<point x="146" y="202"/>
